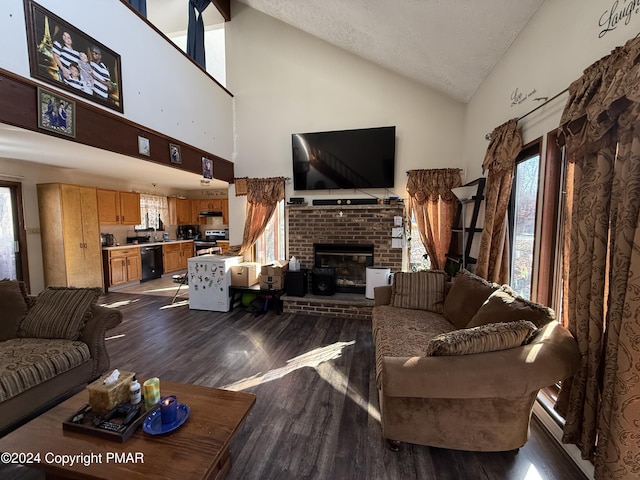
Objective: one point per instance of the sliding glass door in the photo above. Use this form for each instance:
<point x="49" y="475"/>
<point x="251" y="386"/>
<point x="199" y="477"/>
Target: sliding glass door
<point x="13" y="254"/>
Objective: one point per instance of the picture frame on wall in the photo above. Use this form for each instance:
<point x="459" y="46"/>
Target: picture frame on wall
<point x="174" y="154"/>
<point x="64" y="56"/>
<point x="207" y="168"/>
<point x="144" y="147"/>
<point x="56" y="113"/>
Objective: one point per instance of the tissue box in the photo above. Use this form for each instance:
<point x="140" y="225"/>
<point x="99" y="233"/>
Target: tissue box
<point x="245" y="274"/>
<point x="104" y="398"/>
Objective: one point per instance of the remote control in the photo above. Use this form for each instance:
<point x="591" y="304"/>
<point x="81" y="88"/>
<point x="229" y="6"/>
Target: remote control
<point x="112" y="427"/>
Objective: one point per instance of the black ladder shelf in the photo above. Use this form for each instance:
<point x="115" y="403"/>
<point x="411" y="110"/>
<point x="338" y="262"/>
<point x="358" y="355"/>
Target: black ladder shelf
<point x="472" y="230"/>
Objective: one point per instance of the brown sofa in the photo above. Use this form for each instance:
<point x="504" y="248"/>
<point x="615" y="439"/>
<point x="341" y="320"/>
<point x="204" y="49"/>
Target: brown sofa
<point x="50" y="346"/>
<point x="461" y="367"/>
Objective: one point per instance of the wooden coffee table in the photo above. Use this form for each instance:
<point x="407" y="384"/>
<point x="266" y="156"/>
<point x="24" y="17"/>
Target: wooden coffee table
<point x="197" y="450"/>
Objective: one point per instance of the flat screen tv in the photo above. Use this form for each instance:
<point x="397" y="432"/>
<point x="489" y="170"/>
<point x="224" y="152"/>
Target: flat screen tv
<point x="344" y="159"/>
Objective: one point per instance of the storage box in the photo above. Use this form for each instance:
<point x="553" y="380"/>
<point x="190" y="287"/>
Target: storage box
<point x="268" y="282"/>
<point x="276" y="268"/>
<point x="104" y="398"/>
<point x="245" y="274"/>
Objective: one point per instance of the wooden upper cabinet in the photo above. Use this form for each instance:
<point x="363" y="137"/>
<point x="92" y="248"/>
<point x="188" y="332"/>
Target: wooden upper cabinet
<point x="118" y="208"/>
<point x="179" y="211"/>
<point x="130" y="208"/>
<point x="211" y="205"/>
<point x="108" y="207"/>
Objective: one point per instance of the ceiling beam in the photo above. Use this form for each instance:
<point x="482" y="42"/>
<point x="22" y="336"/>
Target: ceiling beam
<point x="224" y="7"/>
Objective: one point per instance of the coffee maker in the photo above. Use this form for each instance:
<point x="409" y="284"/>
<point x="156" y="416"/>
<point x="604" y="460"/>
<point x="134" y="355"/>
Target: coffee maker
<point x="187" y="232"/>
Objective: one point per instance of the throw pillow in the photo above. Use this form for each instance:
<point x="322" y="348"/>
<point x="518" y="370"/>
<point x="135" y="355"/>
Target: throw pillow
<point x="467" y="294"/>
<point x="486" y="338"/>
<point x="59" y="312"/>
<point x="15" y="304"/>
<point x="419" y="290"/>
<point x="505" y="305"/>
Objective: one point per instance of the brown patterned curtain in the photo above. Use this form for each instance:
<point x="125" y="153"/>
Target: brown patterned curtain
<point x="504" y="146"/>
<point x="434" y="207"/>
<point x="263" y="195"/>
<point x="600" y="128"/>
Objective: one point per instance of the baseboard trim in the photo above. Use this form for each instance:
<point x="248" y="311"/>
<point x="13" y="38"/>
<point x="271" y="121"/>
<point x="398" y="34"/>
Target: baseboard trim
<point x="550" y="424"/>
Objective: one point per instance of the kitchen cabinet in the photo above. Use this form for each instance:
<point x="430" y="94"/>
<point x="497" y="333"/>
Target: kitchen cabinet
<point x="212" y="205"/>
<point x="70" y="235"/>
<point x="122" y="266"/>
<point x="118" y="208"/>
<point x="179" y="211"/>
<point x="175" y="256"/>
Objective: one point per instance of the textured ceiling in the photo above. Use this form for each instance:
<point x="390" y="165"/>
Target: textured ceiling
<point x="448" y="45"/>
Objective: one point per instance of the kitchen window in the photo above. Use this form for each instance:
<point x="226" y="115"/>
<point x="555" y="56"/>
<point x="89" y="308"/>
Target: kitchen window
<point x="154" y="212"/>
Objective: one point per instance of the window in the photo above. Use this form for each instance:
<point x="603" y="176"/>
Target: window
<point x="154" y="212"/>
<point x="13" y="241"/>
<point x="270" y="245"/>
<point x="418" y="259"/>
<point x="522" y="219"/>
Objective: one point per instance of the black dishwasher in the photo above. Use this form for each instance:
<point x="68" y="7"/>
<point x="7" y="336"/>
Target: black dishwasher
<point x="151" y="262"/>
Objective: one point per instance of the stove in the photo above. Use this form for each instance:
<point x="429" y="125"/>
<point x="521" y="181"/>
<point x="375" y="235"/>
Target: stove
<point x="209" y="244"/>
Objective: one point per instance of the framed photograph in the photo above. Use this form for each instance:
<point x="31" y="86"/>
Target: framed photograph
<point x="56" y="114"/>
<point x="174" y="153"/>
<point x="143" y="146"/>
<point x="62" y="55"/>
<point x="207" y="168"/>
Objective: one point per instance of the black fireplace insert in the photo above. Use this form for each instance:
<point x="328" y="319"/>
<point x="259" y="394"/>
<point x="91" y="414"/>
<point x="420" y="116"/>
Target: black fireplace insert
<point x="349" y="261"/>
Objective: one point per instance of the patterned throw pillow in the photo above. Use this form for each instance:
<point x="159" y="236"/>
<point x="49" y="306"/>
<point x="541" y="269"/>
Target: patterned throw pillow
<point x="505" y="305"/>
<point x="467" y="294"/>
<point x="419" y="290"/>
<point x="15" y="304"/>
<point x="59" y="312"/>
<point x="487" y="338"/>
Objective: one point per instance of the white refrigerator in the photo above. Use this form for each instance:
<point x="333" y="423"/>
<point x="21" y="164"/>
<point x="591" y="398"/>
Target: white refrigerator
<point x="209" y="279"/>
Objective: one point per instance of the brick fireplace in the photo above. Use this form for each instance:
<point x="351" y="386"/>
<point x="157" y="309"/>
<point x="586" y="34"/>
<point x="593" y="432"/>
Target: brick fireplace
<point x="344" y="224"/>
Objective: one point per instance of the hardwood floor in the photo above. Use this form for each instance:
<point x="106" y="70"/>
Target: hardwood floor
<point x="316" y="414"/>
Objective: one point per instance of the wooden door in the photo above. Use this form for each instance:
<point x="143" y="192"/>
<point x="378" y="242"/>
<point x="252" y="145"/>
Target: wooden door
<point x="117" y="271"/>
<point x="108" y="207"/>
<point x="72" y="235"/>
<point x="134" y="267"/>
<point x="91" y="267"/>
<point x="130" y="208"/>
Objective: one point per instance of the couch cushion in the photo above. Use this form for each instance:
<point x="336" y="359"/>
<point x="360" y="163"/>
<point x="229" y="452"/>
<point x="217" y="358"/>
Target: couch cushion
<point x="419" y="290"/>
<point x="27" y="362"/>
<point x="15" y="304"/>
<point x="404" y="332"/>
<point x="467" y="294"/>
<point x="486" y="338"/>
<point x="505" y="305"/>
<point x="59" y="312"/>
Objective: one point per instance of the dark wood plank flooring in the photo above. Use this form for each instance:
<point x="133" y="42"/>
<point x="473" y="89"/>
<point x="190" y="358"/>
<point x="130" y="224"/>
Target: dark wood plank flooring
<point x="316" y="414"/>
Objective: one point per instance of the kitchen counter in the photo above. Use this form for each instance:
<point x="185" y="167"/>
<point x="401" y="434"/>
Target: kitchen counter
<point x="148" y="244"/>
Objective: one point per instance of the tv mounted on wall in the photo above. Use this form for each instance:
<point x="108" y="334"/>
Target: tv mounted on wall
<point x="344" y="159"/>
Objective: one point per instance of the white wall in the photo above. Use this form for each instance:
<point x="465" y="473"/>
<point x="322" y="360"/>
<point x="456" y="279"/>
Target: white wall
<point x="161" y="89"/>
<point x="285" y="81"/>
<point x="560" y="41"/>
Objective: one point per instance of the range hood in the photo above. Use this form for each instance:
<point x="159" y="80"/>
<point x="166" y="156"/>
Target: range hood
<point x="210" y="213"/>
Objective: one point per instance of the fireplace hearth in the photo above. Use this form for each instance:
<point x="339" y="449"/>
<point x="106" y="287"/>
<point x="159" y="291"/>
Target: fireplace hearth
<point x="349" y="262"/>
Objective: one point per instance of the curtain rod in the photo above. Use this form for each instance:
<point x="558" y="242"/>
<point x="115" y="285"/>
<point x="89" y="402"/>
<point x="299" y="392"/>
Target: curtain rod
<point x="488" y="135"/>
<point x="459" y="169"/>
